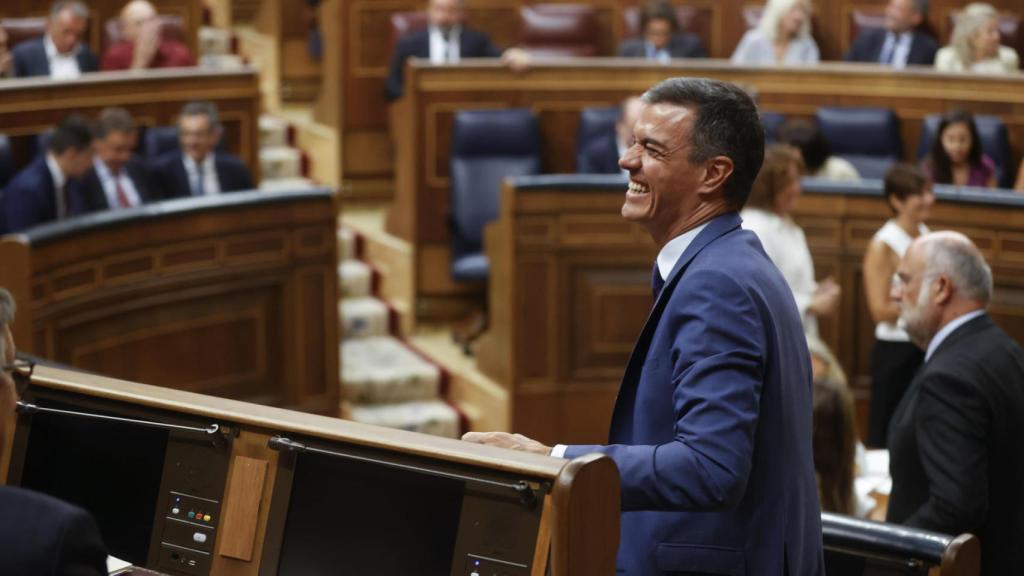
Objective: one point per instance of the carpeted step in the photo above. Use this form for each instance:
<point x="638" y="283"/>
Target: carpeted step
<point x="382" y="369"/>
<point x="273" y="131"/>
<point x="346" y="244"/>
<point x="278" y="162"/>
<point x="222" y="62"/>
<point x="428" y="417"/>
<point x="214" y="41"/>
<point x="364" y="317"/>
<point x="355" y="279"/>
<point x="286" y="184"/>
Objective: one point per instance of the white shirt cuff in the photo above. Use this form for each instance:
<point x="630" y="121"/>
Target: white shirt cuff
<point x="558" y="451"/>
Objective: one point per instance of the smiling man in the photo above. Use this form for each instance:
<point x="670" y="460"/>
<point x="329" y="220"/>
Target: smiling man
<point x="712" y="426"/>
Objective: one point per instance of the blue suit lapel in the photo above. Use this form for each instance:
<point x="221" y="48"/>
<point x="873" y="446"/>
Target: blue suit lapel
<point x="627" y="389"/>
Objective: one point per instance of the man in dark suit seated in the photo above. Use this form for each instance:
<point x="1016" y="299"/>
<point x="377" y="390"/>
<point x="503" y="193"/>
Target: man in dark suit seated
<point x="445" y="40"/>
<point x="40" y="535"/>
<point x="60" y="52"/>
<point x="117" y="178"/>
<point x="196" y="169"/>
<point x="662" y="40"/>
<point x="956" y="439"/>
<point x="41" y="191"/>
<point x="711" y="431"/>
<point x="601" y="155"/>
<point x="902" y="42"/>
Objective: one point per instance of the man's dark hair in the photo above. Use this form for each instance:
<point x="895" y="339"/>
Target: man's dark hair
<point x="113" y="120"/>
<point x="804" y="134"/>
<point x="658" y="10"/>
<point x="72" y="133"/>
<point x="203" y="108"/>
<point x="727" y="124"/>
<point x="921" y="6"/>
<point x="903" y="181"/>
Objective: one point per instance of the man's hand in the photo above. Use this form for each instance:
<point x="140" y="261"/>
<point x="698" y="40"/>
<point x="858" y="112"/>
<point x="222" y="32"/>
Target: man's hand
<point x="506" y="440"/>
<point x="147" y="44"/>
<point x="517" y="59"/>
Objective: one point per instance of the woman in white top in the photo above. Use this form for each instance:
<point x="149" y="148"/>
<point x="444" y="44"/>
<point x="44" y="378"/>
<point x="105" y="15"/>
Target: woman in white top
<point x="772" y="200"/>
<point x="782" y="37"/>
<point x="894" y="359"/>
<point x="974" y="46"/>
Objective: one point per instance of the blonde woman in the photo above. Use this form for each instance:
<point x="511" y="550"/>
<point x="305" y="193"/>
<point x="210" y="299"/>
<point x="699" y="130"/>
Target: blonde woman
<point x="975" y="46"/>
<point x="782" y="37"/>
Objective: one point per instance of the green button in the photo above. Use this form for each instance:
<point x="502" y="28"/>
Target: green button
<point x="191" y="514"/>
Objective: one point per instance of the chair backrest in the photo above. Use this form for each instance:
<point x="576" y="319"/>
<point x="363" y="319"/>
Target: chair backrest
<point x="22" y="29"/>
<point x="771" y="121"/>
<point x="403" y="23"/>
<point x="487" y="147"/>
<point x="995" y="142"/>
<point x="557" y="30"/>
<point x="172" y="27"/>
<point x="694" y="20"/>
<point x="864" y="131"/>
<point x="595" y="122"/>
<point x="862" y="547"/>
<point x="7" y="168"/>
<point x="862" y="20"/>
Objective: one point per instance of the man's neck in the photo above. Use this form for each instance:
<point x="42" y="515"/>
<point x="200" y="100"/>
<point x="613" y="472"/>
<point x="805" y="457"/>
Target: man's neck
<point x="702" y="214"/>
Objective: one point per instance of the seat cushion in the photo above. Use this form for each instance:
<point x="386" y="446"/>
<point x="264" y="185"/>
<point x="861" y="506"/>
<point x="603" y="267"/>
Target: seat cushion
<point x="471" y="267"/>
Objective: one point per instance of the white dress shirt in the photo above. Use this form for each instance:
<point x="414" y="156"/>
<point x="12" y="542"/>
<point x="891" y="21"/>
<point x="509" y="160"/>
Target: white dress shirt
<point x="62" y="66"/>
<point x="947" y="330"/>
<point x="901" y="44"/>
<point x="109" y="181"/>
<point x="667" y="259"/>
<point x="211" y="185"/>
<point x="441" y="50"/>
<point x="60" y="182"/>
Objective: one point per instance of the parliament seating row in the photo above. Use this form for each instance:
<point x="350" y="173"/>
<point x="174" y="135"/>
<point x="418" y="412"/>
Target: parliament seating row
<point x="22" y="29"/>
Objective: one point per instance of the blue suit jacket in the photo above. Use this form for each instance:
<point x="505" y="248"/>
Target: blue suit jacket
<point x="29" y="198"/>
<point x="712" y="426"/>
<point x="43" y="535"/>
<point x="30" y="59"/>
<point x="867" y="47"/>
<point x="169" y="172"/>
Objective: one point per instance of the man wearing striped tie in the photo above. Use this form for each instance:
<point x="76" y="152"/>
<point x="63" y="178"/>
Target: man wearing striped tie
<point x="117" y="178"/>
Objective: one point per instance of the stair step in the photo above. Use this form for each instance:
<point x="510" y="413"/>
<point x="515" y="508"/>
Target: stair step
<point x="382" y="369"/>
<point x="428" y="417"/>
<point x="278" y="162"/>
<point x="221" y="62"/>
<point x="273" y="131"/>
<point x="285" y="184"/>
<point x="355" y="279"/>
<point x="364" y="317"/>
<point x="346" y="244"/>
<point x="214" y="41"/>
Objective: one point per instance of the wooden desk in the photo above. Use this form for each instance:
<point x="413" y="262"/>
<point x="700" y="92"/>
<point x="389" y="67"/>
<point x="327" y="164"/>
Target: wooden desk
<point x="190" y="12"/>
<point x="30" y="106"/>
<point x="575" y="529"/>
<point x="556" y="92"/>
<point x="357" y="34"/>
<point x="570" y="289"/>
<point x="232" y="295"/>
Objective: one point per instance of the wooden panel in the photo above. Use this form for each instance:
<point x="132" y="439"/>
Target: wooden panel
<point x="234" y="303"/>
<point x="557" y="91"/>
<point x="30" y="106"/>
<point x="242" y="508"/>
<point x="585" y="295"/>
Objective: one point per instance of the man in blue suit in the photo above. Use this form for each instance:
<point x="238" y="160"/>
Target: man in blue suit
<point x="60" y="52"/>
<point x="712" y="425"/>
<point x="41" y="534"/>
<point x="43" y="191"/>
<point x="901" y="42"/>
<point x="196" y="168"/>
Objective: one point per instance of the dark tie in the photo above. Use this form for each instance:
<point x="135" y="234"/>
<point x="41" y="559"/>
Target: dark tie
<point x="200" y="181"/>
<point x="122" y="197"/>
<point x="657" y="282"/>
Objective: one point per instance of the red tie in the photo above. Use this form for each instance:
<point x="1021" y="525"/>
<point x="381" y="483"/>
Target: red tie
<point x="122" y="198"/>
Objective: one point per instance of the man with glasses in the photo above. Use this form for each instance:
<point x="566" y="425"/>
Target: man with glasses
<point x="40" y="534"/>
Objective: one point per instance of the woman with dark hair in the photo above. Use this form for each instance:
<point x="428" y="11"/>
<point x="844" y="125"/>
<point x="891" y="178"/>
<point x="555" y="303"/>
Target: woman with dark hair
<point x="956" y="157"/>
<point x="835" y="446"/>
<point x="816" y="152"/>
<point x="768" y="213"/>
<point x="894" y="359"/>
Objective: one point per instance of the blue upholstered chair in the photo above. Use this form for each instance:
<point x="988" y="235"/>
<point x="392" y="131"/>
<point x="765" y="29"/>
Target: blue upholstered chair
<point x="7" y="168"/>
<point x="487" y="147"/>
<point x="595" y="122"/>
<point x="771" y="122"/>
<point x="868" y="137"/>
<point x="994" y="142"/>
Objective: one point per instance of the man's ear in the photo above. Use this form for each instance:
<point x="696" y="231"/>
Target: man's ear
<point x="716" y="172"/>
<point x="943" y="288"/>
